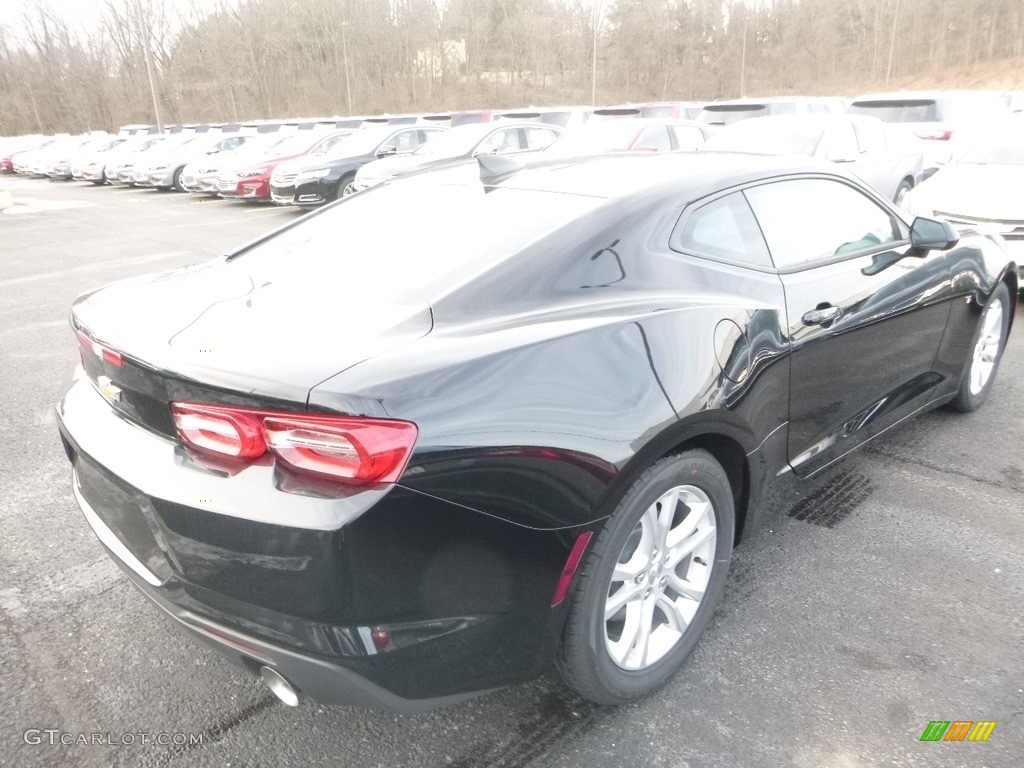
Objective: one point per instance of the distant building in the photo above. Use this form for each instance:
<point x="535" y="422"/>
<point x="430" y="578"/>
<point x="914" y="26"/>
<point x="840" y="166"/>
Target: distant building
<point x="448" y="56"/>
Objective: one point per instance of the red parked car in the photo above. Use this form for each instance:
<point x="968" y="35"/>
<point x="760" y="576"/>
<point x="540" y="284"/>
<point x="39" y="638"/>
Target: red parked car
<point x="251" y="179"/>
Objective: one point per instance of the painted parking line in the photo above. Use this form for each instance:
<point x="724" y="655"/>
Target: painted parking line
<point x="99" y="266"/>
<point x="24" y="205"/>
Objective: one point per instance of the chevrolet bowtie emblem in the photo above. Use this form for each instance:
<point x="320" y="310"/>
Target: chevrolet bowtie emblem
<point x="108" y="389"/>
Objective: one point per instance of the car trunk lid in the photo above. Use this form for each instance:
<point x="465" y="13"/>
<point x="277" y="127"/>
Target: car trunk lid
<point x="220" y="332"/>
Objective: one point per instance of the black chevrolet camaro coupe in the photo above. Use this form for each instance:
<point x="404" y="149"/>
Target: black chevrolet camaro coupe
<point x="394" y="466"/>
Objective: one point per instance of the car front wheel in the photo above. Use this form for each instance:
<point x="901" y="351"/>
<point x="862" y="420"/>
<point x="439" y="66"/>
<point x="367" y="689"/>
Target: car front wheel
<point x="651" y="581"/>
<point x="347" y="186"/>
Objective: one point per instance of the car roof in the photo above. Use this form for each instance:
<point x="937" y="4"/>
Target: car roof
<point x="635" y="174"/>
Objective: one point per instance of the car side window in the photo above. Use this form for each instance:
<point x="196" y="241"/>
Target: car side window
<point x="231" y="143"/>
<point x="655" y="138"/>
<point x="688" y="137"/>
<point x="500" y="142"/>
<point x="406" y="141"/>
<point x="809" y="220"/>
<point x="724" y="229"/>
<point x="538" y="138"/>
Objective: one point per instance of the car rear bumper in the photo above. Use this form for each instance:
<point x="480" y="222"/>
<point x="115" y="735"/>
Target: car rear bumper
<point x="311" y="677"/>
<point x="385" y="598"/>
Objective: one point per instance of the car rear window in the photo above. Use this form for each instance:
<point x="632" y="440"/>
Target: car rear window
<point x="556" y="118"/>
<point x="470" y="118"/>
<point x="355" y="247"/>
<point x="659" y="111"/>
<point x="898" y="110"/>
<point x="724" y="114"/>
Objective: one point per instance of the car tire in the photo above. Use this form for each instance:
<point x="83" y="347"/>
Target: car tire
<point x="985" y="353"/>
<point x="345" y="186"/>
<point x="901" y="192"/>
<point x="176" y="184"/>
<point x="101" y="180"/>
<point x="621" y="643"/>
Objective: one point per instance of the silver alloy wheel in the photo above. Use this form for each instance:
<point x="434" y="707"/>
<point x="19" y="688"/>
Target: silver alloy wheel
<point x="660" y="578"/>
<point x="986" y="351"/>
<point x="348" y="189"/>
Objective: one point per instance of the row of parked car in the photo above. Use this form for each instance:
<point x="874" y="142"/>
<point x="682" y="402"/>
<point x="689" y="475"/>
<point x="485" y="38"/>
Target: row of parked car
<point x="894" y="142"/>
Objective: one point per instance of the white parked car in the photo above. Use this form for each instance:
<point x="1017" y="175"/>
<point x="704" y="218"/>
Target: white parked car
<point x="982" y="190"/>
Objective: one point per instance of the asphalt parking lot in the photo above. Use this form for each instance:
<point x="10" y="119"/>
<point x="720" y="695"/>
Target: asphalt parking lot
<point x="888" y="594"/>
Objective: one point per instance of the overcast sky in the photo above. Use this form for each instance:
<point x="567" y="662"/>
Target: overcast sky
<point x="82" y="15"/>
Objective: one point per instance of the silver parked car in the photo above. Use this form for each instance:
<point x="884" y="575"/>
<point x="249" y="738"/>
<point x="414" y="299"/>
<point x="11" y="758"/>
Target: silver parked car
<point x="120" y="165"/>
<point x="981" y="190"/>
<point x="863" y="145"/>
<point x="165" y="166"/>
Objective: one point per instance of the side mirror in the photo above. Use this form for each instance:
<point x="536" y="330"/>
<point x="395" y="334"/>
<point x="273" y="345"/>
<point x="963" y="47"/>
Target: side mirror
<point x="388" y="150"/>
<point x="839" y="157"/>
<point x="933" y="234"/>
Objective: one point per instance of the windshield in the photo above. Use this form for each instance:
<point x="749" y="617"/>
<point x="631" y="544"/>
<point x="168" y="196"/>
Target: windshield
<point x="355" y="243"/>
<point x="294" y="144"/>
<point x="149" y="143"/>
<point x="361" y="142"/>
<point x="454" y="141"/>
<point x="769" y="136"/>
<point x="600" y="136"/>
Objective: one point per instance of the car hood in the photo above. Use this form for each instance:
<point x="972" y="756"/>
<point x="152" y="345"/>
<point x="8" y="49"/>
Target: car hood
<point x="257" y="161"/>
<point x="300" y="164"/>
<point x="119" y="158"/>
<point x="273" y="333"/>
<point x="976" y="191"/>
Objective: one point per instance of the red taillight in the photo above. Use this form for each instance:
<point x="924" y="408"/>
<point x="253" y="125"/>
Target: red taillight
<point x="935" y="135"/>
<point x="349" y="449"/>
<point x="95" y="348"/>
<point x="221" y="431"/>
<point x="343" y="448"/>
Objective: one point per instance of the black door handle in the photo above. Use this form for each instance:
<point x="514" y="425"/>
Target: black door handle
<point x="822" y="315"/>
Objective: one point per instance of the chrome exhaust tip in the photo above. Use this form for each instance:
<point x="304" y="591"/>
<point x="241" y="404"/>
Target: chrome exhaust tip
<point x="279" y="686"/>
